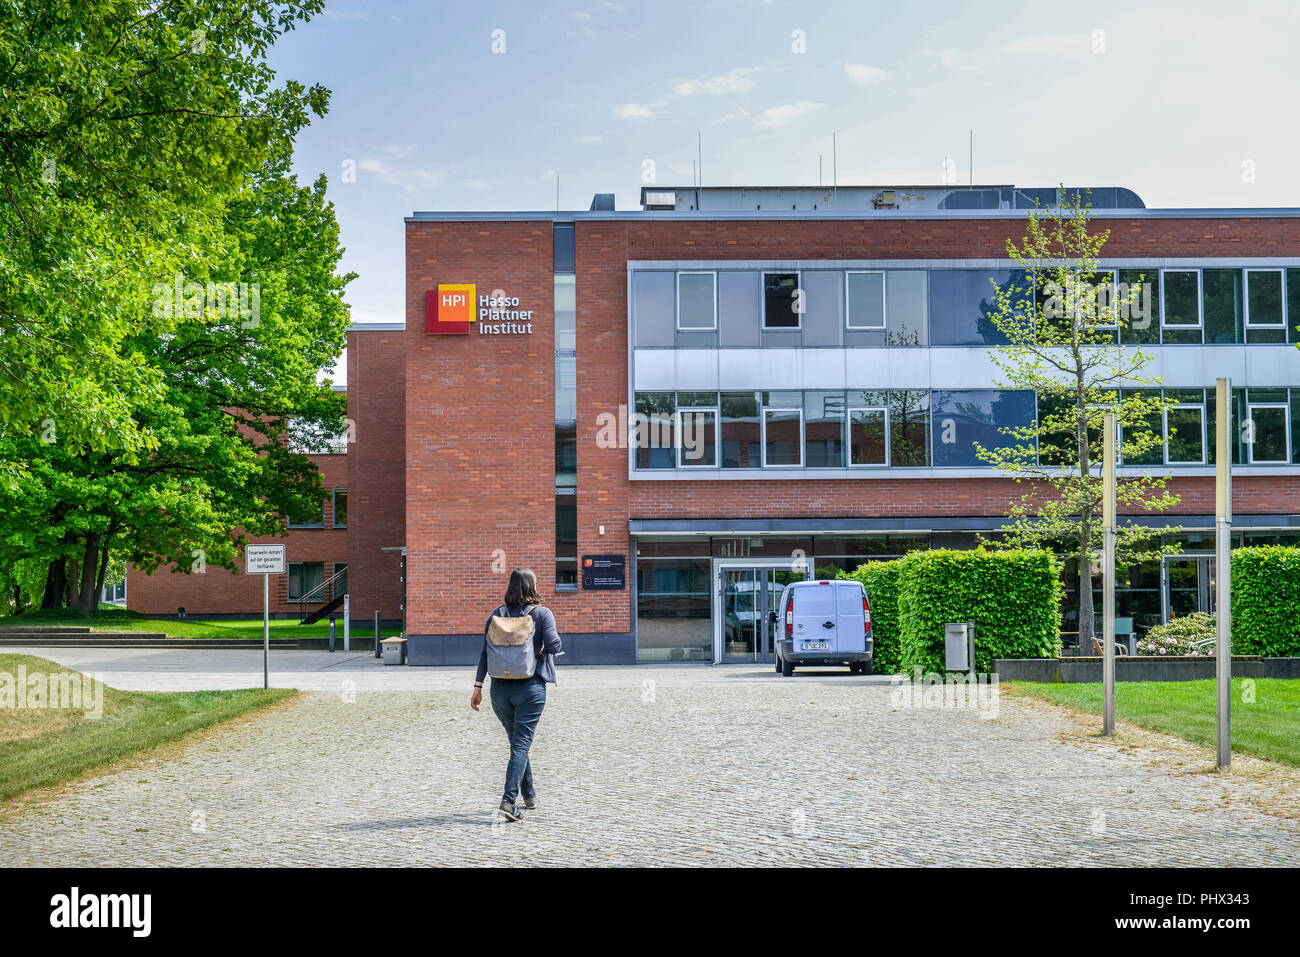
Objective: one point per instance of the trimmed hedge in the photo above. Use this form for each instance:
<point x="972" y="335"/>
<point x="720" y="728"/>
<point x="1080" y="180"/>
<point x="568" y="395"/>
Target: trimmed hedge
<point x="1266" y="601"/>
<point x="1013" y="596"/>
<point x="881" y="579"/>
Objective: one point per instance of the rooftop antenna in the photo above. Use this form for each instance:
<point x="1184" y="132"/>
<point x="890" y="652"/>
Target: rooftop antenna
<point x="557" y="190"/>
<point x="835" y="167"/>
<point x="972" y="157"/>
<point x="699" y="155"/>
<point x="819" y="170"/>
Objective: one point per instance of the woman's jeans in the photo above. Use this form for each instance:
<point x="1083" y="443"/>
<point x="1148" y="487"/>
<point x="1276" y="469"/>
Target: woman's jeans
<point x="518" y="704"/>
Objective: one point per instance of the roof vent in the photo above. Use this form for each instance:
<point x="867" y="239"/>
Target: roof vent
<point x="603" y="202"/>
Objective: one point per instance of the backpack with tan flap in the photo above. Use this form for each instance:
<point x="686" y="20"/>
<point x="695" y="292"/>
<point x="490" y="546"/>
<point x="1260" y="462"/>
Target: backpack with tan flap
<point x="510" y="652"/>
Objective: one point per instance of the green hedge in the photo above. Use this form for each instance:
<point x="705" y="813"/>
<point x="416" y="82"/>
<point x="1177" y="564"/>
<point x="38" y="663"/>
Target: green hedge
<point x="1013" y="597"/>
<point x="1266" y="601"/>
<point x="881" y="579"/>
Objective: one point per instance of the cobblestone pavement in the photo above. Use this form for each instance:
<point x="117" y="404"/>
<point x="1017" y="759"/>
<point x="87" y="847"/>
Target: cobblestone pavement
<point x="654" y="765"/>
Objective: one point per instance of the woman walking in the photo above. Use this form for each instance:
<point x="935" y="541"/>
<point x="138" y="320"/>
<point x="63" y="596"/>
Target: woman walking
<point x="520" y="643"/>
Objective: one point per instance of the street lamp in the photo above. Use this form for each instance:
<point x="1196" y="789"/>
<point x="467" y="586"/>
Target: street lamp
<point x="1223" y="582"/>
<point x="1109" y="432"/>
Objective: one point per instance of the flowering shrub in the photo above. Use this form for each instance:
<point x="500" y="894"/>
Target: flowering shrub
<point x="1176" y="636"/>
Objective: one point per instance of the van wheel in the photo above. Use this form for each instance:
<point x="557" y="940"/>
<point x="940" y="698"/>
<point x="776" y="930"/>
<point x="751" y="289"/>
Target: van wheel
<point x="855" y="668"/>
<point x="867" y="667"/>
<point x="778" y="664"/>
<point x="787" y="668"/>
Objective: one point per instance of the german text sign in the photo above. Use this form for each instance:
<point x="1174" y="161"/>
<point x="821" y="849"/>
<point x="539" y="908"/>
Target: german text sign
<point x="603" y="572"/>
<point x="264" y="560"/>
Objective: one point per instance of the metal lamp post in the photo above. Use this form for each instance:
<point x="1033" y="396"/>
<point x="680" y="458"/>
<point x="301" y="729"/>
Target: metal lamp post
<point x="1109" y="424"/>
<point x="1223" y="583"/>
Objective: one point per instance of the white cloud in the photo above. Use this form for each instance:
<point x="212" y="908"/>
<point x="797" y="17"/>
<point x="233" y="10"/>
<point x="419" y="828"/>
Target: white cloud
<point x="946" y="57"/>
<point x="578" y="15"/>
<point x="478" y="184"/>
<point x="345" y="15"/>
<point x="1056" y="44"/>
<point x="590" y="139"/>
<point x="863" y="75"/>
<point x="737" y="80"/>
<point x="781" y="115"/>
<point x="637" y="111"/>
<point x="410" y="180"/>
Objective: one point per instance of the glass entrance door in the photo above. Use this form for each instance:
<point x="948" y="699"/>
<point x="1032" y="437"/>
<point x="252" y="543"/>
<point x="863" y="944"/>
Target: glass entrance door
<point x="1188" y="585"/>
<point x="747" y="597"/>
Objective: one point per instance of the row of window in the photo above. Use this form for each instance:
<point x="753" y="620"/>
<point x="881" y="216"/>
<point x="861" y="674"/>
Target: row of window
<point x="915" y="428"/>
<point x="953" y="306"/>
<point x="307" y="580"/>
<point x="338" y="512"/>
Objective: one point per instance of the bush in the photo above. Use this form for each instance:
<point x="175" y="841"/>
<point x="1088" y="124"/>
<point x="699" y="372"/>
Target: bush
<point x="1266" y="601"/>
<point x="1175" y="637"/>
<point x="881" y="579"/>
<point x="1013" y="597"/>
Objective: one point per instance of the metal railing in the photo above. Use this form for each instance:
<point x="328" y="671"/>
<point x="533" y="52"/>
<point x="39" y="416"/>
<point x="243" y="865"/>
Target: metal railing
<point x="322" y="594"/>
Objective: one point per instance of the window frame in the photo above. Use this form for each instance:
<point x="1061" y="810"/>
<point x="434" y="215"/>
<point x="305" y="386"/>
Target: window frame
<point x="1114" y="286"/>
<point x="802" y="456"/>
<point x="848" y="307"/>
<point x="334" y="508"/>
<point x="1281" y="324"/>
<point x="1200" y="303"/>
<point x="848" y="437"/>
<point x="288" y="583"/>
<point x="762" y="299"/>
<point x="677" y="311"/>
<point x="1286" y="433"/>
<point x="1164" y="425"/>
<point x="716" y="411"/>
<point x="320" y="524"/>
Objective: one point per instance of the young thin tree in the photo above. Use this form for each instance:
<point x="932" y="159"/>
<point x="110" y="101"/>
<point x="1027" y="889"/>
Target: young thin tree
<point x="1063" y="324"/>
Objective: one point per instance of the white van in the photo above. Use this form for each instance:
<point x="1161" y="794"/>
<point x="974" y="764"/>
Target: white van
<point x="823" y="623"/>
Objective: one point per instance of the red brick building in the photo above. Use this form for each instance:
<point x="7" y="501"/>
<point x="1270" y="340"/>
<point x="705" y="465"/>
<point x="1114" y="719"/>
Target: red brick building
<point x="804" y="374"/>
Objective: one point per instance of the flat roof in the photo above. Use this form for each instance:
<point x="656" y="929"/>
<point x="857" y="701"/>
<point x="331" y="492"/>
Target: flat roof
<point x="673" y="215"/>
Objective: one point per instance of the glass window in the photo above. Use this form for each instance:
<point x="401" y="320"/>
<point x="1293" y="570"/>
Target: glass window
<point x="1267" y="434"/>
<point x="697" y="300"/>
<point x="565" y="313"/>
<point x="652" y="308"/>
<point x="1180" y="311"/>
<point x="1138" y="298"/>
<point x="1223" y="305"/>
<point x="566" y="539"/>
<point x="1265" y="303"/>
<point x="961" y="418"/>
<point x="565" y="252"/>
<point x="909" y="427"/>
<point x="781" y="435"/>
<point x="305" y="579"/>
<point x="698" y="429"/>
<point x="782" y="302"/>
<point x="654" y="430"/>
<point x="865" y="292"/>
<point x="339" y="574"/>
<point x="1293" y="305"/>
<point x="907" y="309"/>
<point x="314" y="521"/>
<point x="566" y="456"/>
<point x="1185" y="435"/>
<point x="673" y="610"/>
<point x="741" y="432"/>
<point x="963" y="303"/>
<point x="566" y="389"/>
<point x="340" y="508"/>
<point x="1152" y="423"/>
<point x="868" y="436"/>
<point x="823" y="429"/>
<point x="1265" y="315"/>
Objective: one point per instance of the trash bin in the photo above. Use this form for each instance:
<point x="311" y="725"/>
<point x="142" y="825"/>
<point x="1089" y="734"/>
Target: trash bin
<point x="394" y="651"/>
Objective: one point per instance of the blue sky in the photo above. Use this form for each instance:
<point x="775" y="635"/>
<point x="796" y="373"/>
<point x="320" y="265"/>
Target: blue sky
<point x="1189" y="104"/>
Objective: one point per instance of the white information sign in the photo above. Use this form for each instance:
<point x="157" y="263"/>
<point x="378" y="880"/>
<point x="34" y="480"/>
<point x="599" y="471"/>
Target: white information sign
<point x="264" y="560"/>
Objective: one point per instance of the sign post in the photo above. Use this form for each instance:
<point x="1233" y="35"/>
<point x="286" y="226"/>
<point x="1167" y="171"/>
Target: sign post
<point x="265" y="560"/>
<point x="1223" y="563"/>
<point x="1108" y="573"/>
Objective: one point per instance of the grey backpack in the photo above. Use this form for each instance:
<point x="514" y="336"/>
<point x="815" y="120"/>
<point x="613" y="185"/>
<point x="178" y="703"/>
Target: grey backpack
<point x="510" y="652"/>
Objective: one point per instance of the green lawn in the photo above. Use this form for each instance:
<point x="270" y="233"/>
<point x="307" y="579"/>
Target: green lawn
<point x="1268" y="727"/>
<point x="42" y="746"/>
<point x="119" y="619"/>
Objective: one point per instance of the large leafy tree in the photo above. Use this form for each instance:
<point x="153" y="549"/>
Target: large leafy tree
<point x="1064" y="326"/>
<point x="222" y="466"/>
<point x="126" y="126"/>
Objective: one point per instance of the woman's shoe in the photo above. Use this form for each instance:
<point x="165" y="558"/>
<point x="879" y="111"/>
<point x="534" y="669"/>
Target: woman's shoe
<point x="509" y="811"/>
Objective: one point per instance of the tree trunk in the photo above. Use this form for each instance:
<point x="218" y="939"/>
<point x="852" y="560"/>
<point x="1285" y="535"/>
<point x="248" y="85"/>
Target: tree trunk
<point x="103" y="563"/>
<point x="1086" y="614"/>
<point x="87" y="597"/>
<point x="56" y="583"/>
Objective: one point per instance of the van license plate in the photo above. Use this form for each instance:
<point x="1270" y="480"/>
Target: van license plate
<point x="816" y="646"/>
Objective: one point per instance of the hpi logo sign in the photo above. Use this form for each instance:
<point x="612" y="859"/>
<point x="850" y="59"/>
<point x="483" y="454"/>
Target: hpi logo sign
<point x="449" y="310"/>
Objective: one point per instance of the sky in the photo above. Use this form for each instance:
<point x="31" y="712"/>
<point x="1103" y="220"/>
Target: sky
<point x="484" y="105"/>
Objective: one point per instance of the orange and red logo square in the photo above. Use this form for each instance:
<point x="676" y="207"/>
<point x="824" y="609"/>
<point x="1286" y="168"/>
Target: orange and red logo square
<point x="449" y="309"/>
